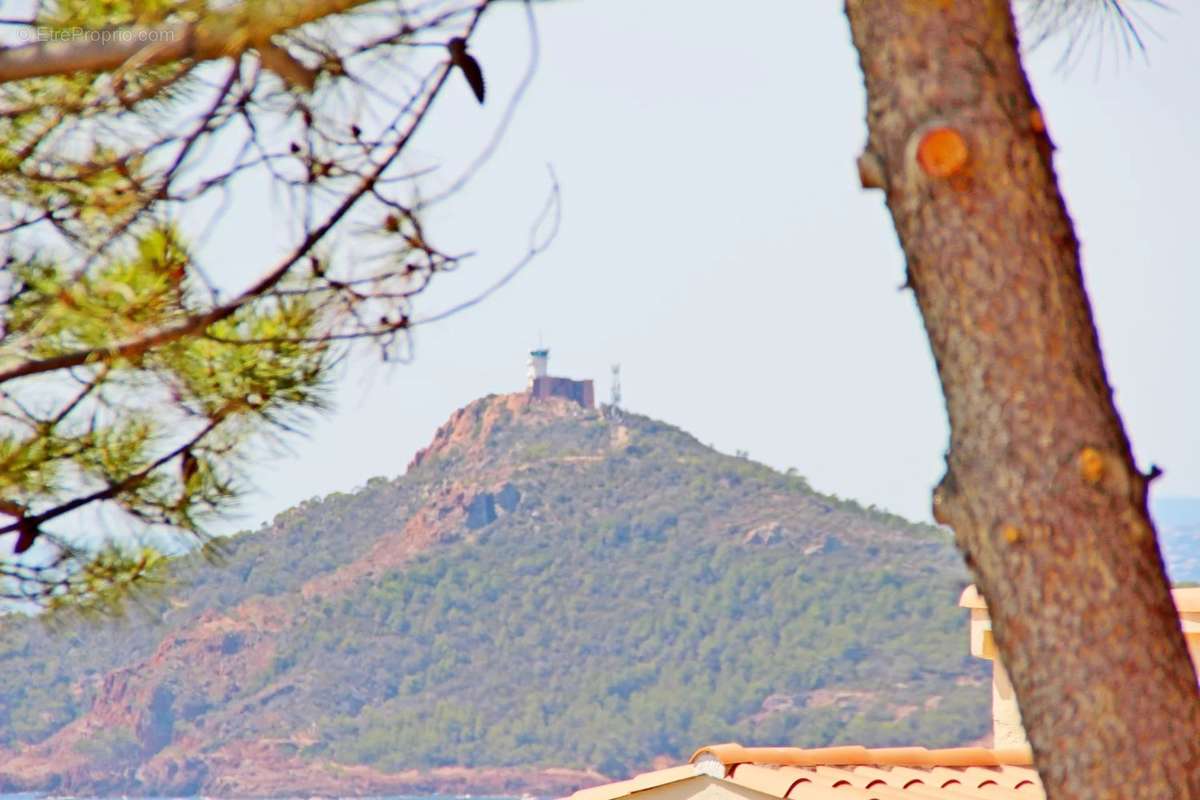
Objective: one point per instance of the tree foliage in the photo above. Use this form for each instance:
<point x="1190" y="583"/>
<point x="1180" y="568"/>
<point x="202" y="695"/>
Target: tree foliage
<point x="133" y="382"/>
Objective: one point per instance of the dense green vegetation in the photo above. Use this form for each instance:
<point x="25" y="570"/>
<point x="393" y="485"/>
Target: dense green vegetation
<point x="610" y="649"/>
<point x="618" y="592"/>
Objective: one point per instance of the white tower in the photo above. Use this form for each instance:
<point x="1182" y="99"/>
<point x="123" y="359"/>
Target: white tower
<point x="616" y="386"/>
<point x="538" y="360"/>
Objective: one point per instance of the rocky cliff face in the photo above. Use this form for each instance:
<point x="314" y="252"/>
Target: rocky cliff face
<point x="308" y="663"/>
<point x="220" y="652"/>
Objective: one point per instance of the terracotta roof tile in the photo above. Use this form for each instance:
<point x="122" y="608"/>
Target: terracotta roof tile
<point x="906" y="777"/>
<point x="850" y="773"/>
<point x="896" y="783"/>
<point x="732" y="753"/>
<point x="775" y="782"/>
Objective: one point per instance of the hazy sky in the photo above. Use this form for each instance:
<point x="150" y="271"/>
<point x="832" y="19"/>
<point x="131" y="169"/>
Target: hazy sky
<point x="716" y="244"/>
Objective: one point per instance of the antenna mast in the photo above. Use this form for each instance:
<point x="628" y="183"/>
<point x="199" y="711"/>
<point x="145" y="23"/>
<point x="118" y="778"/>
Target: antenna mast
<point x="615" y="402"/>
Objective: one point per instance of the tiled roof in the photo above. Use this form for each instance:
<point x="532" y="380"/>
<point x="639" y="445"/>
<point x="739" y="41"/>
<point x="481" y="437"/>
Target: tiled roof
<point x="877" y="773"/>
<point x="849" y="773"/>
<point x="732" y="754"/>
<point x="638" y="783"/>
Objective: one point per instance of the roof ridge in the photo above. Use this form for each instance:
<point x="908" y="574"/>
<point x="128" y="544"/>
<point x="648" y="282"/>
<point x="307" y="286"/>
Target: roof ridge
<point x="732" y="753"/>
<point x="637" y="783"/>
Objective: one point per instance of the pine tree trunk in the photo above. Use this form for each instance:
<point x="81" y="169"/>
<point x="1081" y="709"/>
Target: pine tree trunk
<point x="1041" y="488"/>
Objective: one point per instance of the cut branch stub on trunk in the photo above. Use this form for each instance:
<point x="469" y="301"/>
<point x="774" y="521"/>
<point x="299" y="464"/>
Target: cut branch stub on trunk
<point x="940" y="151"/>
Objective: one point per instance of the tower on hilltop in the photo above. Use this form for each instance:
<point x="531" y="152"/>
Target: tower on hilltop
<point x="542" y="385"/>
<point x="538" y="361"/>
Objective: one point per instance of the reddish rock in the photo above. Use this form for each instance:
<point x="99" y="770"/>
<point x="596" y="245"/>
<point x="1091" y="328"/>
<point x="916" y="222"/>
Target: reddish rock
<point x="220" y="652"/>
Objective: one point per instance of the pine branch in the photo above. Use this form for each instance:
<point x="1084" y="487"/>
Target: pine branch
<point x="218" y="35"/>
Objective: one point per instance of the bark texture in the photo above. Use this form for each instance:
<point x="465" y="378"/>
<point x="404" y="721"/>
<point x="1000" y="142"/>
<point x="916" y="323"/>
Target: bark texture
<point x="1041" y="487"/>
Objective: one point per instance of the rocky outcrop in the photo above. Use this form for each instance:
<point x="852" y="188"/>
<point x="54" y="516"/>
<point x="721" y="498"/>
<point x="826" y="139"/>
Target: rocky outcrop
<point x="126" y="744"/>
<point x="467" y="433"/>
<point x="129" y="741"/>
<point x="468" y="429"/>
<point x="118" y="743"/>
<point x="481" y="510"/>
<point x="265" y="769"/>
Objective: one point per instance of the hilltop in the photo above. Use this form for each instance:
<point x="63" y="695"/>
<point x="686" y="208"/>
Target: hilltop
<point x="548" y="596"/>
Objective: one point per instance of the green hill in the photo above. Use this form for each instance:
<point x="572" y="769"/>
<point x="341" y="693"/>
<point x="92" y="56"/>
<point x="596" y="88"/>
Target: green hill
<point x="545" y="587"/>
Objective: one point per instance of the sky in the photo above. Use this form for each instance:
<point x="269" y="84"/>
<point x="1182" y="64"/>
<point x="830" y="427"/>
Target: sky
<point x="716" y="244"/>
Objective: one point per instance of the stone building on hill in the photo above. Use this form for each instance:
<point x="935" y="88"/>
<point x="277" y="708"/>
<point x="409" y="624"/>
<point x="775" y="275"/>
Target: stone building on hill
<point x="542" y="385"/>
